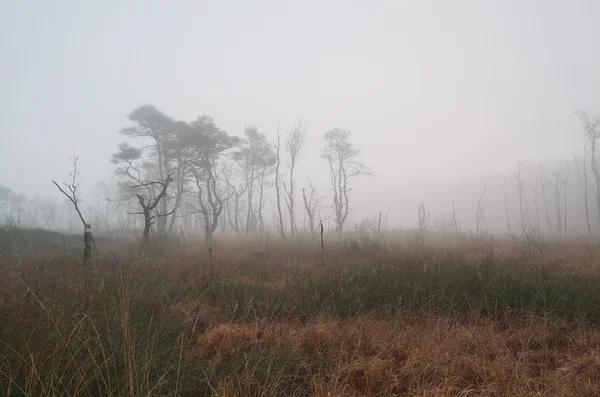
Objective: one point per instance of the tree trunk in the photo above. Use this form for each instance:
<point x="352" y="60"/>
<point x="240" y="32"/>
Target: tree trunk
<point x="250" y="215"/>
<point x="595" y="171"/>
<point x="566" y="184"/>
<point x="146" y="233"/>
<point x="546" y="212"/>
<point x="87" y="244"/>
<point x="583" y="180"/>
<point x="277" y="187"/>
<point x="291" y="198"/>
<point x="520" y="189"/>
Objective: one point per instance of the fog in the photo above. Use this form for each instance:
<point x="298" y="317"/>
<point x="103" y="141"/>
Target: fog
<point x="442" y="100"/>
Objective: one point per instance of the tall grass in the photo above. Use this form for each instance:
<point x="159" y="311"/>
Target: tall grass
<point x="289" y="321"/>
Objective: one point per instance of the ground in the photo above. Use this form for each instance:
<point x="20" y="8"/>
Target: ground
<point x="390" y="315"/>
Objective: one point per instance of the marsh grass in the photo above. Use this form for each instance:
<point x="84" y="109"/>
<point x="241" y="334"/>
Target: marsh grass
<point x="473" y="318"/>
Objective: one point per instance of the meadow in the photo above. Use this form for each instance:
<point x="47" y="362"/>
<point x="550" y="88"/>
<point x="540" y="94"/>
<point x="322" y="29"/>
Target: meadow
<point x="399" y="314"/>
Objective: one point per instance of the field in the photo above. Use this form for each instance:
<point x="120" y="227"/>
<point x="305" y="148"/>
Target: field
<point x="393" y="315"/>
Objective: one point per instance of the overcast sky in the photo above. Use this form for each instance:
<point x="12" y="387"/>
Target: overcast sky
<point x="431" y="90"/>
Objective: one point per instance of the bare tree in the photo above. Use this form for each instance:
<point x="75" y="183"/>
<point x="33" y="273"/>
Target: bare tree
<point x="296" y="140"/>
<point x="149" y="204"/>
<point x="311" y="204"/>
<point x="591" y="127"/>
<point x="479" y="214"/>
<point x="260" y="187"/>
<point x="235" y="193"/>
<point x="506" y="207"/>
<point x="341" y="155"/>
<point x="277" y="146"/>
<point x="211" y="200"/>
<point x="520" y="191"/>
<point x="565" y="186"/>
<point x="559" y="183"/>
<point x="72" y="195"/>
<point x="583" y="183"/>
<point x="545" y="184"/>
<point x="424" y="218"/>
<point x="534" y="188"/>
<point x="454" y="219"/>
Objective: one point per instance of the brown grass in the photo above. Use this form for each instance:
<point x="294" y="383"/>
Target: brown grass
<point x="470" y="318"/>
<point x="517" y="357"/>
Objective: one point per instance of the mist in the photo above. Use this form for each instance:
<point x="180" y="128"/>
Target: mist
<point x="273" y="198"/>
<point x="441" y="101"/>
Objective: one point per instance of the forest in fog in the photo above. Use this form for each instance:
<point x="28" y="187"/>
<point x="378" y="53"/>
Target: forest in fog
<point x="193" y="178"/>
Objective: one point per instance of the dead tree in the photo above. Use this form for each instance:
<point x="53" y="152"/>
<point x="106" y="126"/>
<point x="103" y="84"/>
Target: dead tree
<point x="454" y="219"/>
<point x="311" y="204"/>
<point x="543" y="183"/>
<point x="520" y="190"/>
<point x="558" y="186"/>
<point x="296" y="140"/>
<point x="583" y="183"/>
<point x="235" y="194"/>
<point x="565" y="186"/>
<point x="506" y="207"/>
<point x="591" y="127"/>
<point x="479" y="216"/>
<point x="277" y="146"/>
<point x="424" y="218"/>
<point x="534" y="188"/>
<point x="71" y="194"/>
<point x="261" y="199"/>
<point x="149" y="204"/>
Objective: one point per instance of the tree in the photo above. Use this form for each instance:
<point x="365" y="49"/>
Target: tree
<point x="277" y="146"/>
<point x="546" y="184"/>
<point x="506" y="208"/>
<point x="591" y="127"/>
<point x="149" y="204"/>
<point x="208" y="144"/>
<point x="159" y="156"/>
<point x="182" y="153"/>
<point x="520" y="190"/>
<point x="534" y="188"/>
<point x="583" y="183"/>
<point x="296" y="140"/>
<point x="254" y="158"/>
<point x="341" y="156"/>
<point x="559" y="184"/>
<point x="235" y="192"/>
<point x="72" y="194"/>
<point x="5" y="193"/>
<point x="312" y="205"/>
<point x="6" y="198"/>
<point x="565" y="186"/>
<point x="480" y="214"/>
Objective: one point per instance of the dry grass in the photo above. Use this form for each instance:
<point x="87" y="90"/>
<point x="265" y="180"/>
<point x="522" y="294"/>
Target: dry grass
<point x="528" y="356"/>
<point x="461" y="318"/>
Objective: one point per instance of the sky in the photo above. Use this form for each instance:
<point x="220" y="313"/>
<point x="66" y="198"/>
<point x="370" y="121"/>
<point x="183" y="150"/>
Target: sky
<point x="430" y="90"/>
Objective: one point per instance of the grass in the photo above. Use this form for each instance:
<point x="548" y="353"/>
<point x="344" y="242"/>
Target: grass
<point x="445" y="318"/>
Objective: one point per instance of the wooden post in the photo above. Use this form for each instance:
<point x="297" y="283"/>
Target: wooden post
<point x="322" y="244"/>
